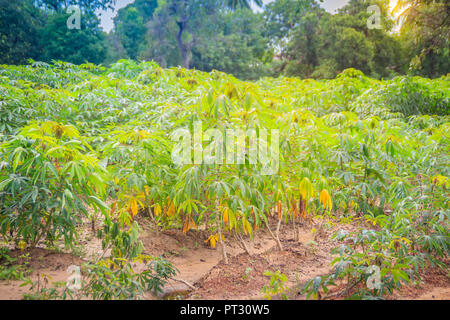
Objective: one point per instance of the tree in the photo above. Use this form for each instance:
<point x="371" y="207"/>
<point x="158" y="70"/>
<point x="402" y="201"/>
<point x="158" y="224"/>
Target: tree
<point x="130" y="25"/>
<point x="38" y="29"/>
<point x="114" y="49"/>
<point x="85" y="5"/>
<point x="225" y="39"/>
<point x="291" y="26"/>
<point x="184" y="11"/>
<point x="426" y="31"/>
<point x="58" y="42"/>
<point x="352" y="50"/>
<point x="19" y="22"/>
<point x="313" y="43"/>
<point x="76" y="46"/>
<point x="161" y="45"/>
<point x="388" y="57"/>
<point x="283" y="15"/>
<point x="234" y="43"/>
<point x="130" y="30"/>
<point x="303" y="48"/>
<point x="234" y="4"/>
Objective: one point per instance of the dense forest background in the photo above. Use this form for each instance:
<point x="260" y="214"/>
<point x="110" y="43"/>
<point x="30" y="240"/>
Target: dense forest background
<point x="288" y="37"/>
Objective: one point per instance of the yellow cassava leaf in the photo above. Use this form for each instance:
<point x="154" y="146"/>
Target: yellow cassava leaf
<point x="171" y="209"/>
<point x="113" y="208"/>
<point x="247" y="227"/>
<point x="225" y="215"/>
<point x="157" y="208"/>
<point x="134" y="207"/>
<point x="440" y="180"/>
<point x="325" y="199"/>
<point x="279" y="210"/>
<point x="232" y="219"/>
<point x="22" y="245"/>
<point x="212" y="241"/>
<point x="186" y="226"/>
<point x="306" y="188"/>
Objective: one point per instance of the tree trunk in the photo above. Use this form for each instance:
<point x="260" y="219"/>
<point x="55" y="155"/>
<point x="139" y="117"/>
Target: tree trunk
<point x="182" y="47"/>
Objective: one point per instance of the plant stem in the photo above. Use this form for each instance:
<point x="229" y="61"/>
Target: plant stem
<point x="219" y="230"/>
<point x="277" y="240"/>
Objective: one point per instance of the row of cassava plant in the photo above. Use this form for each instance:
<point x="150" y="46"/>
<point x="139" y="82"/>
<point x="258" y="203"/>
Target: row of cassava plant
<point x="73" y="137"/>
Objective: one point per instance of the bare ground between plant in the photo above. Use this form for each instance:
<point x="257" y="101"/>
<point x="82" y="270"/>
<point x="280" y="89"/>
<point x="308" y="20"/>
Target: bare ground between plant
<point x="203" y="267"/>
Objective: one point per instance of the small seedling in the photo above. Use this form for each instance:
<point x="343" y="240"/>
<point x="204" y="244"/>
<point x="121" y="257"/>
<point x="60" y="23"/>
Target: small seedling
<point x="247" y="273"/>
<point x="277" y="285"/>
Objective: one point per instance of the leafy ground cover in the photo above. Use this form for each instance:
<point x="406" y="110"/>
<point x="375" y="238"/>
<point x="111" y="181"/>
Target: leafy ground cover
<point x="86" y="143"/>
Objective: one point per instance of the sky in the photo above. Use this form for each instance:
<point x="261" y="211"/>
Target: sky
<point x="106" y="16"/>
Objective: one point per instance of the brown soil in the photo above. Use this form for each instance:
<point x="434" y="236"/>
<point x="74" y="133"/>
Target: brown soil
<point x="435" y="285"/>
<point x="42" y="263"/>
<point x="242" y="278"/>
